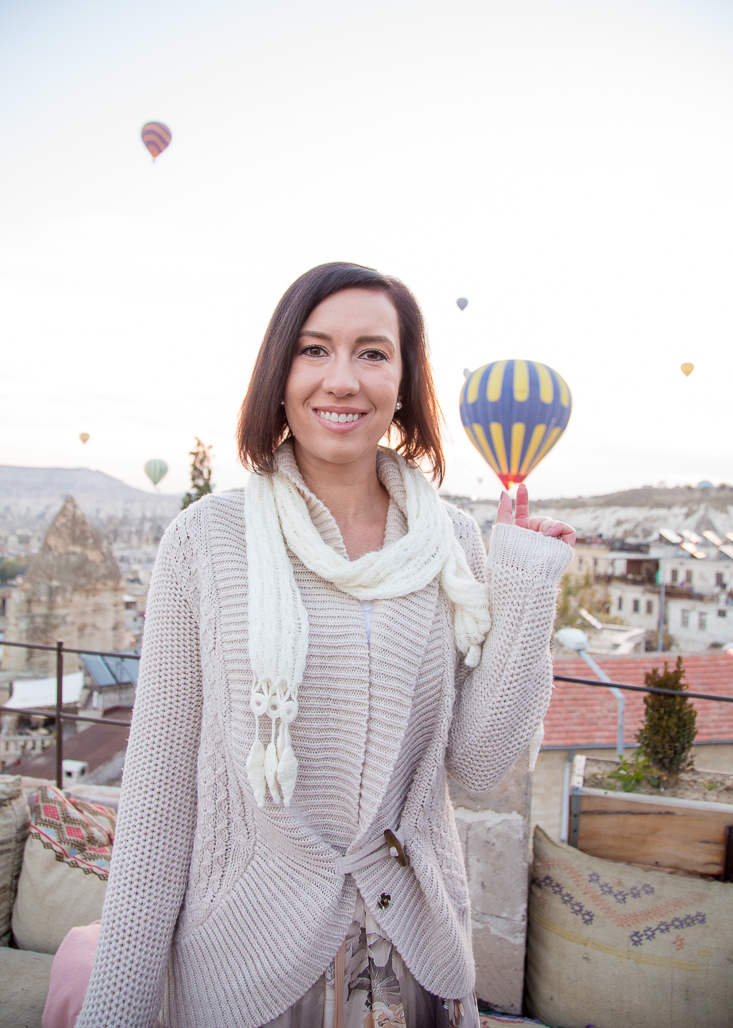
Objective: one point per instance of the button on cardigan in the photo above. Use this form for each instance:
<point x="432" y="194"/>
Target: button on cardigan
<point x="219" y="913"/>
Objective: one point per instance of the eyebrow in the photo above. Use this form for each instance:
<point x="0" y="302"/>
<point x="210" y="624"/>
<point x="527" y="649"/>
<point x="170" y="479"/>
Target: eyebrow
<point x="360" y="339"/>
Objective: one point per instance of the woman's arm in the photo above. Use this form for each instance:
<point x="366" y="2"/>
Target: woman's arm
<point x="500" y="704"/>
<point x="157" y="814"/>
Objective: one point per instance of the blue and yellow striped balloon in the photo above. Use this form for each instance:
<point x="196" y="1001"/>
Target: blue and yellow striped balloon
<point x="514" y="412"/>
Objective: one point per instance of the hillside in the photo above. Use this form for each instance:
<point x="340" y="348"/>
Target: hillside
<point x="34" y="491"/>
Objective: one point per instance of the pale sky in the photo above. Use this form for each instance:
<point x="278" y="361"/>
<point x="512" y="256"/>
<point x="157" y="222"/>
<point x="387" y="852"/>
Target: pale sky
<point x="566" y="166"/>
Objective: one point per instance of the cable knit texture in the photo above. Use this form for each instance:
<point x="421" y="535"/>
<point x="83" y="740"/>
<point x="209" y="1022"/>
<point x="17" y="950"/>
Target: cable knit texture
<point x="277" y="513"/>
<point x="219" y="912"/>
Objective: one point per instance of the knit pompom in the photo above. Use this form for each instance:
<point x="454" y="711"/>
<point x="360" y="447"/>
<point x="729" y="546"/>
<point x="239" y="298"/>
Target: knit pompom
<point x="473" y="656"/>
<point x="271" y="771"/>
<point x="256" y="771"/>
<point x="287" y="772"/>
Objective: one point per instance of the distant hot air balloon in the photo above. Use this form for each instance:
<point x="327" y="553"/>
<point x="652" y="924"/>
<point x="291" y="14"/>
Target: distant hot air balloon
<point x="156" y="470"/>
<point x="462" y="302"/>
<point x="84" y="436"/>
<point x="156" y="137"/>
<point x="514" y="412"/>
<point x="687" y="368"/>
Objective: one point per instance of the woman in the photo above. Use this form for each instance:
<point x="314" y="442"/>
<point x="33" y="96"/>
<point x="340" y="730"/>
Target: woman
<point x="319" y="650"/>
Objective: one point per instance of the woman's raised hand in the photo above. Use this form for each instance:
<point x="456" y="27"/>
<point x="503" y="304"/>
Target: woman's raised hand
<point x="521" y="518"/>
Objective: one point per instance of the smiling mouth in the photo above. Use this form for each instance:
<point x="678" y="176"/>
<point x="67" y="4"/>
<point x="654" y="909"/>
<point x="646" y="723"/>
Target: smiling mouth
<point x="333" y="417"/>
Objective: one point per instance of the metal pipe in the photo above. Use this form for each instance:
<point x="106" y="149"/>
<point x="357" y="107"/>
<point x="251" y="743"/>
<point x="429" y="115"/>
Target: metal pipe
<point x="645" y="688"/>
<point x="660" y="632"/>
<point x="68" y="649"/>
<point x="620" y="700"/>
<point x="71" y="717"/>
<point x="565" y="809"/>
<point x="59" y="722"/>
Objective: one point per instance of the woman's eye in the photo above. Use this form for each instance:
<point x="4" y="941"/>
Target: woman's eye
<point x="374" y="355"/>
<point x="313" y="350"/>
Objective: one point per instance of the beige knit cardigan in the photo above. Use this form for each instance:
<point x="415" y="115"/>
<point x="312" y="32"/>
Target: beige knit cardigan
<point x="225" y="914"/>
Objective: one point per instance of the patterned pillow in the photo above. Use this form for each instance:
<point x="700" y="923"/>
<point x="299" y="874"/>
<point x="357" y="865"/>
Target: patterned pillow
<point x="65" y="869"/>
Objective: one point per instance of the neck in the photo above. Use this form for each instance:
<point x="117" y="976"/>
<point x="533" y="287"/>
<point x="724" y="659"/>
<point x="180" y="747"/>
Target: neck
<point x="353" y="494"/>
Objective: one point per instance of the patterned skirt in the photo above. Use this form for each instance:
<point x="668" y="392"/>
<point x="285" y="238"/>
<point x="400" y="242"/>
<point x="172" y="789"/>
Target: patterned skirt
<point x="379" y="991"/>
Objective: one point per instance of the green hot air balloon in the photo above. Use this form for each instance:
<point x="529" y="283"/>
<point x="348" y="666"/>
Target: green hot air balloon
<point x="156" y="470"/>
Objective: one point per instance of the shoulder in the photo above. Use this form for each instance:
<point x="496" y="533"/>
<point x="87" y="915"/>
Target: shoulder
<point x="215" y="515"/>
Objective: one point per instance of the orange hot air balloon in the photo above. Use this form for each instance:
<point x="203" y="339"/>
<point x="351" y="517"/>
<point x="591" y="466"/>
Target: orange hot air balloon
<point x="156" y="137"/>
<point x="687" y="368"/>
<point x="84" y="436"/>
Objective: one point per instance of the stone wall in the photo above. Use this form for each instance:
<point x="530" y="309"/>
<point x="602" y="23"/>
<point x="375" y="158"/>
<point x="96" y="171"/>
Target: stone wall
<point x="494" y="832"/>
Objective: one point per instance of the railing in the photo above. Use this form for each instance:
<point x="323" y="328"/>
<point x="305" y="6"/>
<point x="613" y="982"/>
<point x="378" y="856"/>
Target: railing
<point x="58" y="714"/>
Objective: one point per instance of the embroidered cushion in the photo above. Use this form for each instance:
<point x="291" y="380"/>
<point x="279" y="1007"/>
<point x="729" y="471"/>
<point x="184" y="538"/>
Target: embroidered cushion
<point x="611" y="944"/>
<point x="14" y="822"/>
<point x="65" y="869"/>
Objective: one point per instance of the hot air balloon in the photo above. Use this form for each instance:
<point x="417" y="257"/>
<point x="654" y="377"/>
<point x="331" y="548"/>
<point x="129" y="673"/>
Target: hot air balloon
<point x="156" y="137"/>
<point x="156" y="470"/>
<point x="462" y="302"/>
<point x="514" y="412"/>
<point x="84" y="436"/>
<point x="687" y="368"/>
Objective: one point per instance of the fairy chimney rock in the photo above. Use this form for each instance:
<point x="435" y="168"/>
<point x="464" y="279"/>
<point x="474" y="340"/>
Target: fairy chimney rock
<point x="73" y="591"/>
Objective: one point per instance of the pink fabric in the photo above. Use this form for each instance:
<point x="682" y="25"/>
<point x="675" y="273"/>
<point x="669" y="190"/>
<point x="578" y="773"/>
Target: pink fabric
<point x="70" y="974"/>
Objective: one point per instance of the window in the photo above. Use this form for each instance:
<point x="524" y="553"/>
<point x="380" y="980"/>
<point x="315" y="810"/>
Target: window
<point x="719" y="579"/>
<point x="620" y="603"/>
<point x="721" y="613"/>
<point x="688" y="577"/>
<point x="675" y="575"/>
<point x="649" y="607"/>
<point x="636" y="606"/>
<point x="702" y="621"/>
<point x="685" y="619"/>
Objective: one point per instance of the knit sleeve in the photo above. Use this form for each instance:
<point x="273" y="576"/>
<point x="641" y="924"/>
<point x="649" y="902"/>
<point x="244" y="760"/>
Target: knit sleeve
<point x="157" y="813"/>
<point x="501" y="703"/>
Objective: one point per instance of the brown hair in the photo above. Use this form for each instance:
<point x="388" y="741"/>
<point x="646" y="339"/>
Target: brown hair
<point x="262" y="425"/>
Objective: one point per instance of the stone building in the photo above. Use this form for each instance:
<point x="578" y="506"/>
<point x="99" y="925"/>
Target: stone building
<point x="72" y="591"/>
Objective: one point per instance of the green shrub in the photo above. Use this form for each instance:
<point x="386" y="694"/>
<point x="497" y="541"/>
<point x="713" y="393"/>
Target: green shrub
<point x="668" y="732"/>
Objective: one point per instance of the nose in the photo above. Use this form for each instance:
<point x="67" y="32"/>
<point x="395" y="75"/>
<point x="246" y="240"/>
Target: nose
<point x="341" y="378"/>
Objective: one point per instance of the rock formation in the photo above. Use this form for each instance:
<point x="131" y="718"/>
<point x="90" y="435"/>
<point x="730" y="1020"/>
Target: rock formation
<point x="73" y="591"/>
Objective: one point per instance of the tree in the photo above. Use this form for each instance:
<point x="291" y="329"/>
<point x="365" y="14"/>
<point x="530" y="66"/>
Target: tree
<point x="200" y="473"/>
<point x="668" y="731"/>
<point x="583" y="592"/>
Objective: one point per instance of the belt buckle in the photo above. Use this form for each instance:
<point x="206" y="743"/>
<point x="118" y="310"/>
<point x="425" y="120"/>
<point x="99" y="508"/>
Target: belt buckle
<point x="396" y="849"/>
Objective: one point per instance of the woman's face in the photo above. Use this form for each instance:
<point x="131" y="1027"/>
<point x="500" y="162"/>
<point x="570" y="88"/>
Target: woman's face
<point x="345" y="377"/>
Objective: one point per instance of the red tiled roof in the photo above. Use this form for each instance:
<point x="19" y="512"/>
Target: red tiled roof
<point x="581" y="715"/>
<point x="97" y="745"/>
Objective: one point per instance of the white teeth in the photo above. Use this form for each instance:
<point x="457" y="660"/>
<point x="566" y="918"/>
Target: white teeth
<point x="340" y="418"/>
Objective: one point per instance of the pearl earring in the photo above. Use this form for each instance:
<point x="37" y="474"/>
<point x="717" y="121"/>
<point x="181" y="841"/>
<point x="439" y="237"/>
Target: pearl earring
<point x="398" y="405"/>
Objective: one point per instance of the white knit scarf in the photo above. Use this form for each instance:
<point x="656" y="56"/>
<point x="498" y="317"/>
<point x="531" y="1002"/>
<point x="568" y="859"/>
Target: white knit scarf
<point x="278" y="621"/>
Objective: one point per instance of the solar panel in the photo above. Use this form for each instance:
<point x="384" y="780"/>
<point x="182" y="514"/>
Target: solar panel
<point x="691" y="537"/>
<point x="727" y="550"/>
<point x="713" y="537"/>
<point x="670" y="535"/>
<point x="691" y="548"/>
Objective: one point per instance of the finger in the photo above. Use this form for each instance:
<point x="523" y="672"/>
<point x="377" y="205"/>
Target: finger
<point x="568" y="535"/>
<point x="504" y="510"/>
<point x="521" y="512"/>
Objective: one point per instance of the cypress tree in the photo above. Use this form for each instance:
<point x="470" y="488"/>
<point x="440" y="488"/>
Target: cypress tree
<point x="668" y="731"/>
